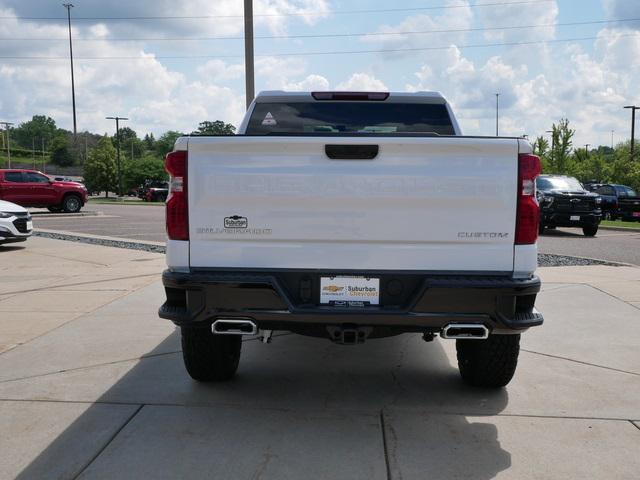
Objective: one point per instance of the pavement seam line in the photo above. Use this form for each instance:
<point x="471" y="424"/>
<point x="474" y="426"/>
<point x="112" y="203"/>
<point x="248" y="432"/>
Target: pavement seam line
<point x="610" y="294"/>
<point x="580" y="362"/>
<point x="116" y="433"/>
<point x="634" y="424"/>
<point x="70" y="259"/>
<point x="384" y="444"/>
<point x="86" y="367"/>
<point x="81" y="314"/>
<point x="80" y="284"/>
<point x="334" y="409"/>
<point x="115" y="362"/>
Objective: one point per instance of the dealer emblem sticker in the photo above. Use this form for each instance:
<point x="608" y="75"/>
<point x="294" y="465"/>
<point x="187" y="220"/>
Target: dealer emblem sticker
<point x="236" y="221"/>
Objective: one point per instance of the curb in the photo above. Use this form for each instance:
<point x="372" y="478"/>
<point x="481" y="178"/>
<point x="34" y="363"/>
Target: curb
<point x="154" y="247"/>
<point x="65" y="215"/>
<point x="620" y="229"/>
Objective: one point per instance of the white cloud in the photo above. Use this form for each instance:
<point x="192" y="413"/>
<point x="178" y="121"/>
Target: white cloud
<point x="459" y="19"/>
<point x="588" y="88"/>
<point x="309" y="84"/>
<point x="219" y="71"/>
<point x="362" y="81"/>
<point x="541" y="13"/>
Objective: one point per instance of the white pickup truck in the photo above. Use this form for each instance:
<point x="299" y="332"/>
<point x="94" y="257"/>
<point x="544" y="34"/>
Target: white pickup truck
<point x="352" y="216"/>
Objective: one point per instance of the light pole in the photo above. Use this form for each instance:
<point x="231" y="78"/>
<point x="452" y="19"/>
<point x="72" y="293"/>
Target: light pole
<point x="553" y="145"/>
<point x="612" y="139"/>
<point x="6" y="126"/>
<point x="248" y="52"/>
<point x="633" y="126"/>
<point x="69" y="6"/>
<point x="497" y="95"/>
<point x="117" y="119"/>
<point x="586" y="149"/>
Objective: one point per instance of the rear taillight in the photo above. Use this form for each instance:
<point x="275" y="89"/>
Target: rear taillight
<point x="177" y="204"/>
<point x="528" y="213"/>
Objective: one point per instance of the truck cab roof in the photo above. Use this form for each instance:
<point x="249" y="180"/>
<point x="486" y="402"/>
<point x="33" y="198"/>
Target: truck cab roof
<point x="391" y="97"/>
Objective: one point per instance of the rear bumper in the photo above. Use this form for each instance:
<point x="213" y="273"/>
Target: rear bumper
<point x="288" y="300"/>
<point x="564" y="219"/>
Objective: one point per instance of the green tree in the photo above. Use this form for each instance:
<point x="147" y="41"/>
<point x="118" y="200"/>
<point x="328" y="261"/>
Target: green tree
<point x="147" y="168"/>
<point x="61" y="155"/>
<point x="100" y="169"/>
<point x="215" y="128"/>
<point x="149" y="141"/>
<point x="165" y="143"/>
<point x="38" y="128"/>
<point x="591" y="166"/>
<point x="561" y="143"/>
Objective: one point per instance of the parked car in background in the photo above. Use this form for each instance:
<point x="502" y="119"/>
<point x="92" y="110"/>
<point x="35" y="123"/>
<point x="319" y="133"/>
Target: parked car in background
<point x="154" y="191"/>
<point x="564" y="202"/>
<point x="30" y="188"/>
<point x="618" y="201"/>
<point x="15" y="223"/>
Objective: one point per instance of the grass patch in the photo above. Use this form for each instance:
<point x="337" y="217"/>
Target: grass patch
<point x="629" y="225"/>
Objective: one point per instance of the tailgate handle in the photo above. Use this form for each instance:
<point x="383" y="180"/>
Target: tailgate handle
<point x="351" y="152"/>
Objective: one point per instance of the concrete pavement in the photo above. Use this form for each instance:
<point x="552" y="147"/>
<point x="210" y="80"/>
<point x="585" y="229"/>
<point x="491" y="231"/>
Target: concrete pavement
<point x="92" y="386"/>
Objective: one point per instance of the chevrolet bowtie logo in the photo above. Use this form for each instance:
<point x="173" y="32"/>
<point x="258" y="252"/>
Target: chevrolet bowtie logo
<point x="332" y="288"/>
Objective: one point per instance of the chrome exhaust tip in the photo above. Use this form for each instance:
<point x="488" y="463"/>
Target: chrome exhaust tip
<point x="465" y="331"/>
<point x="234" y="326"/>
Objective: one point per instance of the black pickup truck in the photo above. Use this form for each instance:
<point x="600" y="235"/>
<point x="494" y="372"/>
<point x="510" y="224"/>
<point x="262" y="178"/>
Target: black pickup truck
<point x="564" y="202"/>
<point x="618" y="201"/>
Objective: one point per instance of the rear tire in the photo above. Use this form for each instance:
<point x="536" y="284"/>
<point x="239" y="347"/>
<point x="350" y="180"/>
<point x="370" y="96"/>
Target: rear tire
<point x="488" y="363"/>
<point x="71" y="204"/>
<point x="208" y="357"/>
<point x="590" y="231"/>
<point x="540" y="229"/>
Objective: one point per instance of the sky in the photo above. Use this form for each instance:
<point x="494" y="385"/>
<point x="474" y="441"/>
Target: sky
<point x="169" y="65"/>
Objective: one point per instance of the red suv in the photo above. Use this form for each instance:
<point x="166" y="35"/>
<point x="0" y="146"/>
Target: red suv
<point x="31" y="188"/>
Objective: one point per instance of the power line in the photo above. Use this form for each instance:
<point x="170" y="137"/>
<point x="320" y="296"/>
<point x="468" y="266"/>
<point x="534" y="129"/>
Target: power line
<point x="296" y="14"/>
<point x="333" y="35"/>
<point x="300" y="54"/>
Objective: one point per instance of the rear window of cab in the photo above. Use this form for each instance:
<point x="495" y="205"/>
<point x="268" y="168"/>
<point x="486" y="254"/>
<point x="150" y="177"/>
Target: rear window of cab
<point x="349" y="117"/>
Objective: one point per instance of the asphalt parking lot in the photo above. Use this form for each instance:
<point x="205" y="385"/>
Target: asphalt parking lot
<point x="146" y="223"/>
<point x="92" y="386"/>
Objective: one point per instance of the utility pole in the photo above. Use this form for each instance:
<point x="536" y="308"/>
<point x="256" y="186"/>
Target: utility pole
<point x="44" y="163"/>
<point x="69" y="6"/>
<point x="497" y="95"/>
<point x="117" y="119"/>
<point x="248" y="52"/>
<point x="6" y="126"/>
<point x="33" y="151"/>
<point x="612" y="139"/>
<point x="633" y="126"/>
<point x="586" y="148"/>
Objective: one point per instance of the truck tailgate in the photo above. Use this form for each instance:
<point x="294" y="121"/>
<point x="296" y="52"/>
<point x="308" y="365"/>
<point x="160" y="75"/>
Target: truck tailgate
<point x="428" y="203"/>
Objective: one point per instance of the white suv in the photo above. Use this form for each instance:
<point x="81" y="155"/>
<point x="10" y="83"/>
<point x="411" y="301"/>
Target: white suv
<point x="15" y="223"/>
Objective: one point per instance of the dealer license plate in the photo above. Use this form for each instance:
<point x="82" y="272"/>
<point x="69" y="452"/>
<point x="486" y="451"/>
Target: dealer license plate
<point x="636" y="214"/>
<point x="349" y="291"/>
<point x="575" y="218"/>
<point x="29" y="225"/>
